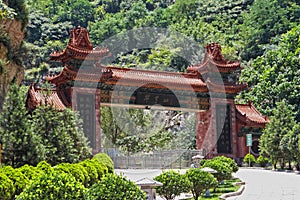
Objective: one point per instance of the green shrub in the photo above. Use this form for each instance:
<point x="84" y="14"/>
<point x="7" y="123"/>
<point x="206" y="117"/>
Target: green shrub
<point x="7" y="189"/>
<point x="249" y="157"/>
<point x="106" y="160"/>
<point x="173" y="184"/>
<point x="262" y="161"/>
<point x="53" y="186"/>
<point x="229" y="161"/>
<point x="113" y="187"/>
<point x="101" y="168"/>
<point x="223" y="169"/>
<point x="77" y="171"/>
<point x="92" y="172"/>
<point x="200" y="181"/>
<point x="44" y="167"/>
<point x="19" y="180"/>
<point x="29" y="171"/>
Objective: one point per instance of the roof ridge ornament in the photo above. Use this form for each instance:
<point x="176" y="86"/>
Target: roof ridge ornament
<point x="79" y="37"/>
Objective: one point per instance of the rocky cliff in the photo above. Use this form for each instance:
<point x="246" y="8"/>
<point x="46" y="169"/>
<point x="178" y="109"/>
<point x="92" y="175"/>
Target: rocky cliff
<point x="11" y="69"/>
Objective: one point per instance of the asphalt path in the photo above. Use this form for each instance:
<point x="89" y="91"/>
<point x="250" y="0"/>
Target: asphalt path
<point x="268" y="185"/>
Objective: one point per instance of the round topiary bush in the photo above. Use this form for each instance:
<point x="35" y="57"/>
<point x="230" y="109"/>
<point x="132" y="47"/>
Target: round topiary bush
<point x="106" y="160"/>
<point x="114" y="187"/>
<point x="53" y="186"/>
<point x="223" y="169"/>
<point x="44" y="167"/>
<point x="249" y="158"/>
<point x="229" y="161"/>
<point x="7" y="189"/>
<point x="200" y="181"/>
<point x="262" y="161"/>
<point x="173" y="184"/>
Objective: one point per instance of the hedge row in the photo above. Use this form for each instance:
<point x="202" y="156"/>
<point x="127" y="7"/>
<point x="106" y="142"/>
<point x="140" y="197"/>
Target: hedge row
<point x="83" y="180"/>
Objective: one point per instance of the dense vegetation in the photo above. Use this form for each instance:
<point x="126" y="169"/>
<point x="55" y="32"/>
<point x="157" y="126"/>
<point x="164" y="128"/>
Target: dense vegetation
<point x="264" y="35"/>
<point x="83" y="180"/>
<point x="44" y="134"/>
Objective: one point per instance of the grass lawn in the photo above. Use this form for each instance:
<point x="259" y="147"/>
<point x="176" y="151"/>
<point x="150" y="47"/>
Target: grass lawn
<point x="227" y="187"/>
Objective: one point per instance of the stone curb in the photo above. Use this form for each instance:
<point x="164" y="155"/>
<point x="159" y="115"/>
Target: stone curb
<point x="231" y="194"/>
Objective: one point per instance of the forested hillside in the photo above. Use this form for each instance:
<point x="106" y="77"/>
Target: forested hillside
<point x="262" y="34"/>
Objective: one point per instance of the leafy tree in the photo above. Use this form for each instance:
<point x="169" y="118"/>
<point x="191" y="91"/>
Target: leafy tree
<point x="274" y="76"/>
<point x="266" y="20"/>
<point x="281" y="123"/>
<point x="173" y="184"/>
<point x="21" y="145"/>
<point x="200" y="181"/>
<point x="114" y="187"/>
<point x="294" y="144"/>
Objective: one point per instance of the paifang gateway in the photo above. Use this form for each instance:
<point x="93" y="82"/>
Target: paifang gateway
<point x="221" y="124"/>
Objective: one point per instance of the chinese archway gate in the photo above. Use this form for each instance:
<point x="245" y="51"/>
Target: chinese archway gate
<point x="208" y="89"/>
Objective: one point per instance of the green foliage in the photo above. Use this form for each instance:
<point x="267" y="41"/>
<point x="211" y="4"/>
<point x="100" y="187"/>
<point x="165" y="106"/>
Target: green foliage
<point x="294" y="144"/>
<point x="106" y="160"/>
<point x="5" y="11"/>
<point x="20" y="181"/>
<point x="266" y="20"/>
<point x="53" y="186"/>
<point x="229" y="161"/>
<point x="62" y="134"/>
<point x="92" y="172"/>
<point x="7" y="188"/>
<point x="273" y="141"/>
<point x="29" y="171"/>
<point x="21" y="144"/>
<point x="114" y="187"/>
<point x="262" y="161"/>
<point x="173" y="184"/>
<point x="223" y="169"/>
<point x="21" y="10"/>
<point x="44" y="167"/>
<point x="76" y="170"/>
<point x="249" y="157"/>
<point x="200" y="181"/>
<point x="274" y="76"/>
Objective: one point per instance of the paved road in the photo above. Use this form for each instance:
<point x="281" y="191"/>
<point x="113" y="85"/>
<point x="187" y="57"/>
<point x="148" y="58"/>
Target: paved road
<point x="268" y="185"/>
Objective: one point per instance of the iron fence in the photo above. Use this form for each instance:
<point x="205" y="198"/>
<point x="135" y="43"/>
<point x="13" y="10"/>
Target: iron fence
<point x="164" y="159"/>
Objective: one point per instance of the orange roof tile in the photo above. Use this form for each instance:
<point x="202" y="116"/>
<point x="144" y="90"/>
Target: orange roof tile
<point x="248" y="114"/>
<point x="38" y="96"/>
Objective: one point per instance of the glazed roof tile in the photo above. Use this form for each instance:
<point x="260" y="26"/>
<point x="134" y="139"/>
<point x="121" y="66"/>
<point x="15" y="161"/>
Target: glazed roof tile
<point x="38" y="96"/>
<point x="250" y="115"/>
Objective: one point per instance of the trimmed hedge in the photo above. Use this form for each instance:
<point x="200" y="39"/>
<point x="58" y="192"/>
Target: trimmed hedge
<point x="173" y="184"/>
<point x="54" y="186"/>
<point x="20" y="181"/>
<point x="106" y="160"/>
<point x="113" y="187"/>
<point x="7" y="188"/>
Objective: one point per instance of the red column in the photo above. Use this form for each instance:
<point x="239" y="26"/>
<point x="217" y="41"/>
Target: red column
<point x="98" y="122"/>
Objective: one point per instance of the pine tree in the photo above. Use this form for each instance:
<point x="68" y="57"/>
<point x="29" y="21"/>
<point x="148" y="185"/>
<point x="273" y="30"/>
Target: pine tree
<point x="273" y="139"/>
<point x="20" y="144"/>
<point x="61" y="133"/>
